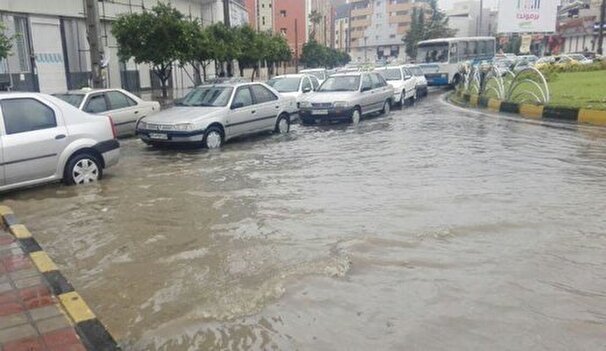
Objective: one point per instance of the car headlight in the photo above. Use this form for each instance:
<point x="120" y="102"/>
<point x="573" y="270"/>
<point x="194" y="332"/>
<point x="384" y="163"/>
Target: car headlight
<point x="340" y="104"/>
<point x="183" y="127"/>
<point x="142" y="125"/>
<point x="304" y="104"/>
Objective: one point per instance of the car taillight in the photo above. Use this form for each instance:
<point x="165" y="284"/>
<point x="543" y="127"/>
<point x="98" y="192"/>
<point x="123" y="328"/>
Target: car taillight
<point x="114" y="130"/>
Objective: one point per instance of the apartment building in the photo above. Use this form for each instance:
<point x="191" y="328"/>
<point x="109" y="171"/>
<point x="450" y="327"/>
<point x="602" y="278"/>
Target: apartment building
<point x="578" y="25"/>
<point x="341" y="27"/>
<point x="51" y="51"/>
<point x="376" y="28"/>
<point x="470" y="20"/>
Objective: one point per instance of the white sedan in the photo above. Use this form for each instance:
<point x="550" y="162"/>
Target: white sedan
<point x="209" y="115"/>
<point x="124" y="108"/>
<point x="294" y="85"/>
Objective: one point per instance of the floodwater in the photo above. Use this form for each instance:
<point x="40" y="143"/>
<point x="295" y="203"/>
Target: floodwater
<point x="433" y="228"/>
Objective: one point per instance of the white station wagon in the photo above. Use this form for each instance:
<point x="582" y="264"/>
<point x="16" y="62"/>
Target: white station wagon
<point x="124" y="108"/>
<point x="212" y="114"/>
<point x="45" y="139"/>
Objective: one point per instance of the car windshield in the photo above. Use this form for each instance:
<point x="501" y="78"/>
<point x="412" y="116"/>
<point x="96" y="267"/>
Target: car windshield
<point x="72" y="99"/>
<point x="285" y="84"/>
<point x="390" y="73"/>
<point x="340" y="83"/>
<point x="207" y="96"/>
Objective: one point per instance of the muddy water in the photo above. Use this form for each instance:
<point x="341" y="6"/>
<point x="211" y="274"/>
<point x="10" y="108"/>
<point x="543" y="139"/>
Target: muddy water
<point x="430" y="229"/>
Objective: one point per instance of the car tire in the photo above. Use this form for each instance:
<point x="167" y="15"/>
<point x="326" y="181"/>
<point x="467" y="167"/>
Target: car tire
<point x="82" y="168"/>
<point x="213" y="138"/>
<point x="386" y="107"/>
<point x="282" y="124"/>
<point x="356" y="116"/>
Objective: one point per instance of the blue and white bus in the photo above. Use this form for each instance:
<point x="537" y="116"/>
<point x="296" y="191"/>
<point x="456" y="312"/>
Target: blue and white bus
<point x="440" y="58"/>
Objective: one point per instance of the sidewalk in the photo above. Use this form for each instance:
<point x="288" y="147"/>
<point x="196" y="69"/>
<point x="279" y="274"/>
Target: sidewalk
<point x="39" y="309"/>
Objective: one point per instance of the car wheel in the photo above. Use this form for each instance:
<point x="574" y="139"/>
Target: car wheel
<point x="386" y="107"/>
<point x="82" y="168"/>
<point x="356" y="115"/>
<point x="283" y="124"/>
<point x="213" y="138"/>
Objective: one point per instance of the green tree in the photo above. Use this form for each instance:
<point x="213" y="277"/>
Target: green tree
<point x="226" y="44"/>
<point x="313" y="54"/>
<point x="253" y="52"/>
<point x="155" y="37"/>
<point x="197" y="48"/>
<point x="423" y="27"/>
<point x="277" y="51"/>
<point x="5" y="42"/>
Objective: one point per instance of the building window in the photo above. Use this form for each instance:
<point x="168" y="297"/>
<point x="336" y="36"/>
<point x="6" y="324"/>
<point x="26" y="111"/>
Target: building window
<point x="392" y="36"/>
<point x="283" y="31"/>
<point x="282" y="13"/>
<point x="263" y="20"/>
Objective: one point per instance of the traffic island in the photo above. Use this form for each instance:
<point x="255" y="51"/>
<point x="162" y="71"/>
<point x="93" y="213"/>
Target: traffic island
<point x="39" y="308"/>
<point x="577" y="115"/>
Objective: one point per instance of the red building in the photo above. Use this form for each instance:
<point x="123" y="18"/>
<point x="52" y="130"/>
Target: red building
<point x="290" y="18"/>
<point x="280" y="16"/>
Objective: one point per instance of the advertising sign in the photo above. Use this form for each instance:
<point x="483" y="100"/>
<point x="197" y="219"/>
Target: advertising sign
<point x="524" y="16"/>
<point x="526" y="42"/>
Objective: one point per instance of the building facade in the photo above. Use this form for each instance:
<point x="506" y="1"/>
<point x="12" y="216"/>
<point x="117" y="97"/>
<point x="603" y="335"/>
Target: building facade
<point x="51" y="51"/>
<point x="578" y="25"/>
<point x="341" y="27"/>
<point x="464" y="17"/>
<point x="376" y="28"/>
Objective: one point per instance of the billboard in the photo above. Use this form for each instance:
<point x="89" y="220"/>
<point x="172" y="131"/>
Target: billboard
<point x="523" y="16"/>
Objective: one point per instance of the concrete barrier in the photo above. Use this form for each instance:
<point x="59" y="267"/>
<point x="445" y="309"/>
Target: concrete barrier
<point x="585" y="116"/>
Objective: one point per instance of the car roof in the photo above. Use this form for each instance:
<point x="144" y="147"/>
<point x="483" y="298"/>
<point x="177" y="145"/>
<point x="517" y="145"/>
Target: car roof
<point x="346" y="74"/>
<point x="313" y="70"/>
<point x="291" y="76"/>
<point x="89" y="90"/>
<point x="229" y="84"/>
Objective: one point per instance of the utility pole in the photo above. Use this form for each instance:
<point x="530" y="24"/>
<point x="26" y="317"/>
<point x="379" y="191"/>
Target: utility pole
<point x="227" y="22"/>
<point x="481" y="15"/>
<point x="96" y="50"/>
<point x="325" y="35"/>
<point x="296" y="47"/>
<point x="601" y="29"/>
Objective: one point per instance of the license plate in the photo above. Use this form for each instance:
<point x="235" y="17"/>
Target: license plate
<point x="158" y="136"/>
<point x="319" y="112"/>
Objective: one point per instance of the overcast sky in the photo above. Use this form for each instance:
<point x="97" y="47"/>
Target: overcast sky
<point x="446" y="4"/>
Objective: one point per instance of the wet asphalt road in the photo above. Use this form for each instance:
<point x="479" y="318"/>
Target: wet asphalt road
<point x="433" y="228"/>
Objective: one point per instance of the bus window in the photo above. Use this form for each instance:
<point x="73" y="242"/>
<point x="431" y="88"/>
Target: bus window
<point x="482" y="48"/>
<point x="432" y="53"/>
<point x="463" y="50"/>
<point x="473" y="49"/>
<point x="454" y="57"/>
<point x="490" y="48"/>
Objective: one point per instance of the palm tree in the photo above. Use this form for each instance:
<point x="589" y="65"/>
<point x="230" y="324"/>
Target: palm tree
<point x="315" y="17"/>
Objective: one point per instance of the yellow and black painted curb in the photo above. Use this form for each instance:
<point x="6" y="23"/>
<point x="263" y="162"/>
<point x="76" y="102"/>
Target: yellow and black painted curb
<point x="93" y="334"/>
<point x="579" y="115"/>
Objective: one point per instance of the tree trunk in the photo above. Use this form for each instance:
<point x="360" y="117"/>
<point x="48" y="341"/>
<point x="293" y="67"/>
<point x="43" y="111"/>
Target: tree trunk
<point x="204" y="72"/>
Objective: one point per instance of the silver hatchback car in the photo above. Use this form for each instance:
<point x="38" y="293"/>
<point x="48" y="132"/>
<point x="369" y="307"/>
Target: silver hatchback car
<point x="347" y="97"/>
<point x="212" y="114"/>
<point x="45" y="139"/>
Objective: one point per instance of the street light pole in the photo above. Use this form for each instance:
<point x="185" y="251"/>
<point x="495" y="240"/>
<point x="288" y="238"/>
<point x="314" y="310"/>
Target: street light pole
<point x="601" y="29"/>
<point x="481" y="15"/>
<point x="96" y="51"/>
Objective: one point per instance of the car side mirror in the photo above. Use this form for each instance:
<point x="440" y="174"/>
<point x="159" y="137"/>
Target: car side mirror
<point x="407" y="77"/>
<point x="306" y="90"/>
<point x="236" y="105"/>
<point x="366" y="89"/>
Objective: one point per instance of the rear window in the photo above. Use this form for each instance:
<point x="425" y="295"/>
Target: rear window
<point x="72" y="99"/>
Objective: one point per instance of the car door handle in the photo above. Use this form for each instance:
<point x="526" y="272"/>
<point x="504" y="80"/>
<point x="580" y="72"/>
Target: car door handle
<point x="60" y="136"/>
<point x="253" y="112"/>
<point x="136" y="112"/>
<point x="278" y="106"/>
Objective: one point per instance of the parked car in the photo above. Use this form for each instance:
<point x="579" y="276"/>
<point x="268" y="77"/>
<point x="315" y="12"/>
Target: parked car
<point x="124" y="108"/>
<point x="403" y="81"/>
<point x="319" y="73"/>
<point x="212" y="114"/>
<point x="44" y="139"/>
<point x="347" y="97"/>
<point x="294" y="85"/>
<point x="421" y="84"/>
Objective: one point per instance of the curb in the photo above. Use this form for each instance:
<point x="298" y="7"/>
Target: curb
<point x="93" y="334"/>
<point x="584" y="116"/>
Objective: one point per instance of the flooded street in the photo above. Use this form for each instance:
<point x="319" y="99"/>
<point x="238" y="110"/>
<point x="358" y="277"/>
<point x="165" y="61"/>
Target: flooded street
<point x="433" y="228"/>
